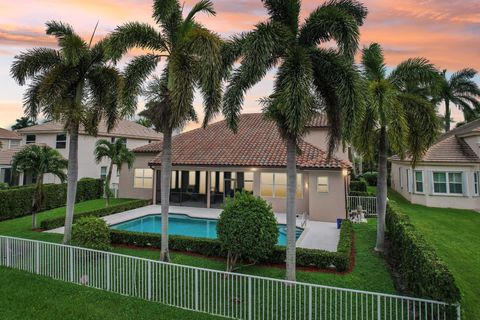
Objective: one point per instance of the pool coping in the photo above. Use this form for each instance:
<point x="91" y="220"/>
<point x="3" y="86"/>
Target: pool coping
<point x="315" y="235"/>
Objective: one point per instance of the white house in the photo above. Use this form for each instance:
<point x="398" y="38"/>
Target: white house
<point x="53" y="134"/>
<point x="448" y="174"/>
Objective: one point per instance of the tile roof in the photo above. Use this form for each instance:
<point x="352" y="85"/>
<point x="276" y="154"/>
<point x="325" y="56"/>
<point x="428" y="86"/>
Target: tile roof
<point x="320" y="121"/>
<point x="124" y="128"/>
<point x="6" y="155"/>
<point x="256" y="144"/>
<point x="451" y="147"/>
<point x="7" y="134"/>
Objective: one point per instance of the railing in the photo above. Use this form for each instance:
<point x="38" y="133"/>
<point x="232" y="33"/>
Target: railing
<point x="369" y="204"/>
<point x="215" y="292"/>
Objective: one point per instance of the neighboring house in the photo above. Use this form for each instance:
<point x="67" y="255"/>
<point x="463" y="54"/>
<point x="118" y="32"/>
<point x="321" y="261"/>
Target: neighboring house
<point x="9" y="139"/>
<point x="448" y="174"/>
<point x="53" y="134"/>
<point x="210" y="164"/>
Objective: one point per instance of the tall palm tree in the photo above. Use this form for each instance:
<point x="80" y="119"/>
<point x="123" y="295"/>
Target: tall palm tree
<point x="39" y="160"/>
<point x="193" y="60"/>
<point x="309" y="79"/>
<point x="23" y="122"/>
<point x="74" y="85"/>
<point x="460" y="90"/>
<point x="118" y="154"/>
<point x="395" y="117"/>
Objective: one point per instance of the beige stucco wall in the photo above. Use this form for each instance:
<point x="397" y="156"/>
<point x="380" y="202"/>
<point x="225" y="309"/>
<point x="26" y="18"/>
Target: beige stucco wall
<point x="126" y="188"/>
<point x="468" y="200"/>
<point x="319" y="138"/>
<point x="474" y="143"/>
<point x="330" y="205"/>
<point x="87" y="167"/>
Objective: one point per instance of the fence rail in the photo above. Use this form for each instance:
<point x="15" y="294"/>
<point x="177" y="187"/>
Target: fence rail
<point x="218" y="293"/>
<point x="369" y="204"/>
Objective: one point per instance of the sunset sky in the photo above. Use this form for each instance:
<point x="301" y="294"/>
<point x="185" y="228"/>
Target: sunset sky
<point x="445" y="31"/>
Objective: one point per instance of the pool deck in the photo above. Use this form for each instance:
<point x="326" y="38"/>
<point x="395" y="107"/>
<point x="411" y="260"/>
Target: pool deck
<point x="316" y="234"/>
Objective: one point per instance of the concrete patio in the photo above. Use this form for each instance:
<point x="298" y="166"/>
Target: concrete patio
<point x="316" y="234"/>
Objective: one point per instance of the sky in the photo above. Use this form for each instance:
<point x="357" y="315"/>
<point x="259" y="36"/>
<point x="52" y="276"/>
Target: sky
<point x="445" y="31"/>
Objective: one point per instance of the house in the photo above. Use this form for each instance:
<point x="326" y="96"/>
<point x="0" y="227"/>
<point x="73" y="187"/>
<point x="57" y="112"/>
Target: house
<point x="9" y="139"/>
<point x="447" y="176"/>
<point x="53" y="134"/>
<point x="210" y="164"/>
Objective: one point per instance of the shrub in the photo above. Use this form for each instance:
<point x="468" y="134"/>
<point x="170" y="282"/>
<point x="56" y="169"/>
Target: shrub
<point x="17" y="201"/>
<point x="323" y="259"/>
<point x="361" y="194"/>
<point x="360" y="185"/>
<point x="91" y="232"/>
<point x="53" y="223"/>
<point x="247" y="229"/>
<point x="371" y="178"/>
<point x="3" y="186"/>
<point x="420" y="268"/>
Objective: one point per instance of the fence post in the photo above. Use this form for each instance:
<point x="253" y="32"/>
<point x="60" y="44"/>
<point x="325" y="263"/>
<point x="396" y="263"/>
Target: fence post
<point x="310" y="303"/>
<point x="108" y="272"/>
<point x="249" y="298"/>
<point x="379" y="307"/>
<point x="37" y="257"/>
<point x="196" y="289"/>
<point x="72" y="278"/>
<point x="7" y="251"/>
<point x="459" y="312"/>
<point x="149" y="280"/>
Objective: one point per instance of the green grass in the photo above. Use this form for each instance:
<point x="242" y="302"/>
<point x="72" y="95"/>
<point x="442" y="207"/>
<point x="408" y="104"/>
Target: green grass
<point x="26" y="296"/>
<point x="370" y="272"/>
<point x="455" y="236"/>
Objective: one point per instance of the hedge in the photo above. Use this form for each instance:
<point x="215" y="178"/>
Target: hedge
<point x="422" y="271"/>
<point x="17" y="202"/>
<point x="361" y="194"/>
<point x="340" y="260"/>
<point x="102" y="212"/>
<point x="371" y="178"/>
<point x="360" y="186"/>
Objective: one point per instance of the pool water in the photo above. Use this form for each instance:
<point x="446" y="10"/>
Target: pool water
<point x="181" y="224"/>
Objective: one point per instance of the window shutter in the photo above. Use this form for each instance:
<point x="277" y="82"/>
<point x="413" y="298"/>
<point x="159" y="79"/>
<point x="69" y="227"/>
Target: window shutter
<point x="430" y="181"/>
<point x="410" y="180"/>
<point x="465" y="183"/>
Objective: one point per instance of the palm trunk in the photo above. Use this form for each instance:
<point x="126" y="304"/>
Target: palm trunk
<point x="37" y="200"/>
<point x="165" y="190"/>
<point x="447" y="115"/>
<point x="381" y="190"/>
<point x="291" y="205"/>
<point x="72" y="178"/>
<point x="107" y="184"/>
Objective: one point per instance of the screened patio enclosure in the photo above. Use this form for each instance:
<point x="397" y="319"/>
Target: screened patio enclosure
<point x="201" y="188"/>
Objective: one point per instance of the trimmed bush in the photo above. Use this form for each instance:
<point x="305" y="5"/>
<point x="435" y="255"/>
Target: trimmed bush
<point x="360" y="186"/>
<point x="91" y="232"/>
<point x="53" y="223"/>
<point x="323" y="259"/>
<point x="371" y="178"/>
<point x="16" y="202"/>
<point x="361" y="194"/>
<point x="425" y="275"/>
<point x="247" y="229"/>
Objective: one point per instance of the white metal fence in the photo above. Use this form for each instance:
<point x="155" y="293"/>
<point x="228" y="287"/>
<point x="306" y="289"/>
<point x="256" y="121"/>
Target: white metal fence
<point x="218" y="293"/>
<point x="369" y="204"/>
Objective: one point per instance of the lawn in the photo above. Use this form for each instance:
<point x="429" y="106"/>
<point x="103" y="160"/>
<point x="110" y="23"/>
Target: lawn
<point x="455" y="236"/>
<point x="370" y="272"/>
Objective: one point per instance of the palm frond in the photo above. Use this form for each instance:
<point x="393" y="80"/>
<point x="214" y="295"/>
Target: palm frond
<point x="168" y="13"/>
<point x="285" y="12"/>
<point x="59" y="29"/>
<point x="414" y="73"/>
<point x="205" y="6"/>
<point x="32" y="62"/>
<point x="373" y="62"/>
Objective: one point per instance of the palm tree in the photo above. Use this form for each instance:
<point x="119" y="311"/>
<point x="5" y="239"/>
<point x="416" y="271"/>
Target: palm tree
<point x="396" y="117"/>
<point x="193" y="60"/>
<point x="309" y="79"/>
<point x="39" y="160"/>
<point x="143" y="121"/>
<point x="74" y="85"/>
<point x="118" y="154"/>
<point x="460" y="90"/>
<point x="23" y="122"/>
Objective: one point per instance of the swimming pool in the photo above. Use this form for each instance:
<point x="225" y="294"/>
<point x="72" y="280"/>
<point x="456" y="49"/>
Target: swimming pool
<point x="182" y="224"/>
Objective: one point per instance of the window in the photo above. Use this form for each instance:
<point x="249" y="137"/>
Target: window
<point x="103" y="173"/>
<point x="400" y="177"/>
<point x="419" y="181"/>
<point x="143" y="178"/>
<point x="448" y="182"/>
<point x="248" y="181"/>
<point x="31" y="138"/>
<point x="61" y="141"/>
<point x="275" y="185"/>
<point x="322" y="184"/>
<point x="14" y="143"/>
<point x="476" y="182"/>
